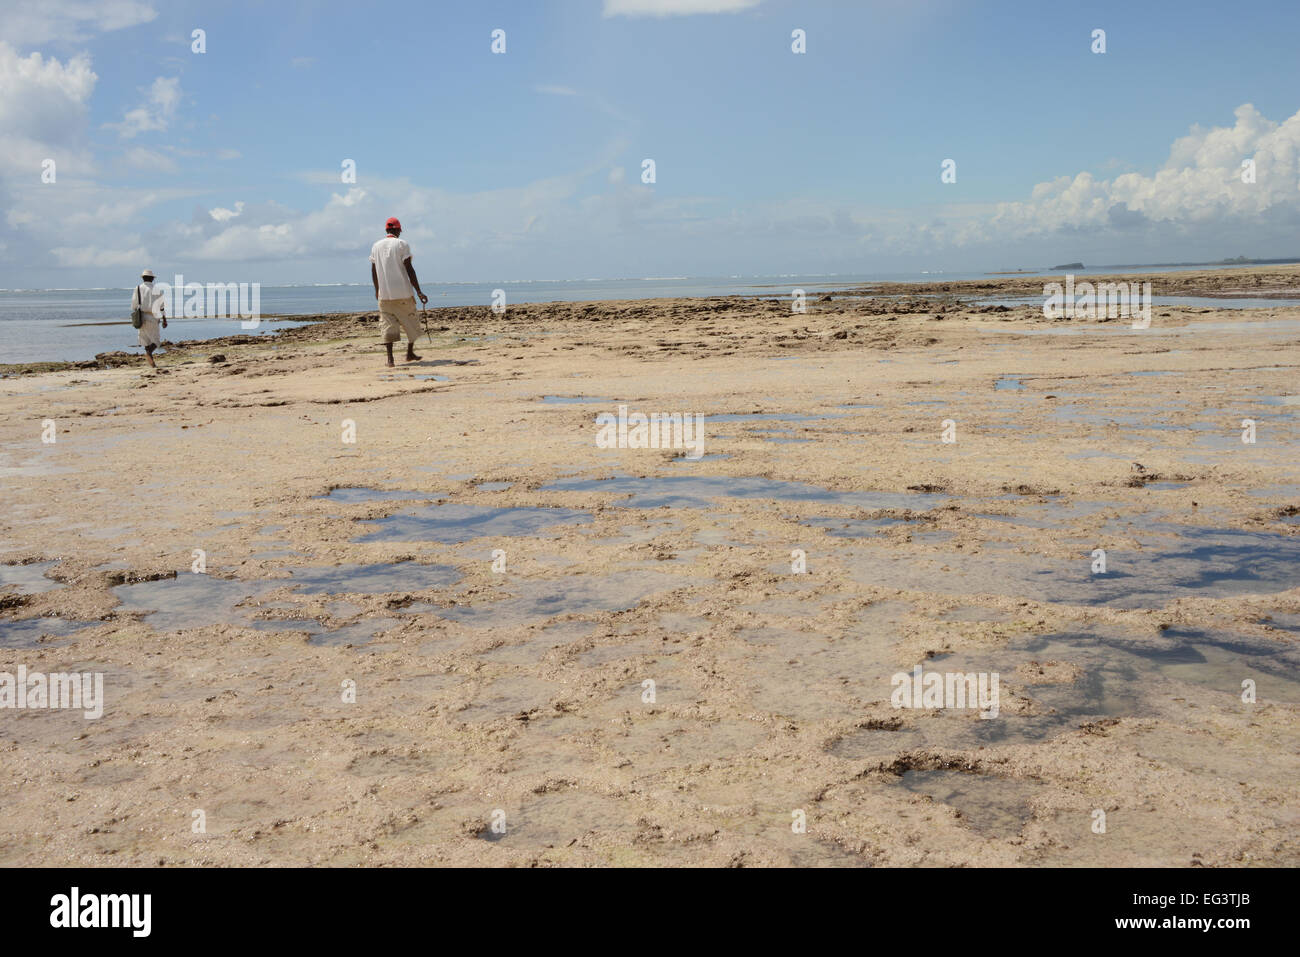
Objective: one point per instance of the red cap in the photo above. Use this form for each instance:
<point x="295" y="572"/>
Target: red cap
<point x="392" y="223"/>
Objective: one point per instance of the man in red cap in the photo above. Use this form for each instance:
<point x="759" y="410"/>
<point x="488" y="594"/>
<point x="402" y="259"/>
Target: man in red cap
<point x="394" y="279"/>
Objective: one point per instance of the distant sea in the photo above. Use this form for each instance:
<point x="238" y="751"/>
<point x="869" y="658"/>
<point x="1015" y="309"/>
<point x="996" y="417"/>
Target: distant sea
<point x="68" y="324"/>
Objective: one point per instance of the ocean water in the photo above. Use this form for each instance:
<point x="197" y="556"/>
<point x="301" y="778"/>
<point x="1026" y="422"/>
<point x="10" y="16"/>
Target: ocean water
<point x="75" y="324"/>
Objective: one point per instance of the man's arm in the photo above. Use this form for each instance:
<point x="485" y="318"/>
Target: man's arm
<point x="374" y="277"/>
<point x="415" y="283"/>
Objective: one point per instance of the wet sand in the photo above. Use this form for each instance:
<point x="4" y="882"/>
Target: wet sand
<point x="517" y="693"/>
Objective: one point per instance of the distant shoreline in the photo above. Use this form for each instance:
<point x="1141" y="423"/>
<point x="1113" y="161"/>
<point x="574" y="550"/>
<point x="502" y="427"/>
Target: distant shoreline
<point x="738" y="280"/>
<point x="1263" y="283"/>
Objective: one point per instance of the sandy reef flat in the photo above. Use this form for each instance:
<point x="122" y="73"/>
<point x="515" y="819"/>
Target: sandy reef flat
<point x="519" y="694"/>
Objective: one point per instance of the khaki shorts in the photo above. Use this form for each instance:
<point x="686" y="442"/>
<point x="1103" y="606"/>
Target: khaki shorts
<point x="397" y="316"/>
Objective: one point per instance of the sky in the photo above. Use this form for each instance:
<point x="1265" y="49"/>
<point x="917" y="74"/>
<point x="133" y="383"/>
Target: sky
<point x="122" y="145"/>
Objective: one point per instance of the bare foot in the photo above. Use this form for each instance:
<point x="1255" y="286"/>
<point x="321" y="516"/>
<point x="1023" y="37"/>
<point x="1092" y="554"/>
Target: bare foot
<point x="412" y="357"/>
<point x="151" y="362"/>
<point x="389" y="363"/>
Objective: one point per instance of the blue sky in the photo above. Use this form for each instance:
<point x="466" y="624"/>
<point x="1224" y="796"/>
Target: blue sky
<point x="226" y="165"/>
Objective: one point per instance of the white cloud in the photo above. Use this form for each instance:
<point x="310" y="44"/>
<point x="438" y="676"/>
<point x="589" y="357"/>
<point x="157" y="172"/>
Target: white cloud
<point x="225" y="215"/>
<point x="43" y="105"/>
<point x="1200" y="184"/>
<point x="99" y="257"/>
<point x="155" y="113"/>
<point x="674" y="8"/>
<point x="50" y="211"/>
<point x="68" y="21"/>
<point x="150" y="160"/>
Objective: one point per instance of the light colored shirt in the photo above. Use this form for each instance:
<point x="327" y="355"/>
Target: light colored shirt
<point x="149" y="299"/>
<point x="389" y="256"/>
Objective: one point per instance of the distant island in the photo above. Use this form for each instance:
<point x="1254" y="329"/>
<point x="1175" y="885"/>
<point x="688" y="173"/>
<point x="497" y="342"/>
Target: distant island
<point x="1233" y="261"/>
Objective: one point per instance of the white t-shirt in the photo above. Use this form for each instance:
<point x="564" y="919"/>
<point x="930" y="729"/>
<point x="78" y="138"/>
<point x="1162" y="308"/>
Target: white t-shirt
<point x="389" y="256"/>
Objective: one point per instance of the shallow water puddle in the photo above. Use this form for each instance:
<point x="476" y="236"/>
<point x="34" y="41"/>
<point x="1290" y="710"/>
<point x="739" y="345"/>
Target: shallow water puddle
<point x="576" y="400"/>
<point x="277" y="553"/>
<point x="189" y="600"/>
<point x="370" y="579"/>
<point x="1275" y="491"/>
<point x="1074" y="678"/>
<point x="527" y="600"/>
<point x="28" y="579"/>
<point x="688" y="492"/>
<point x="1070" y="680"/>
<point x="193" y="601"/>
<point x="1282" y="620"/>
<point x="769" y="417"/>
<point x="30" y="632"/>
<point x="711" y="457"/>
<point x="451" y="523"/>
<point x="1204" y="561"/>
<point x="1216" y="659"/>
<point x="994" y="806"/>
<point x="1177" y="562"/>
<point x="853" y="527"/>
<point x="1009" y="383"/>
<point x="352" y="496"/>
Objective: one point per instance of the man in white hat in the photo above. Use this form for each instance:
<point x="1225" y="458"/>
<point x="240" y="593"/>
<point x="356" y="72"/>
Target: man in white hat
<point x="153" y="304"/>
